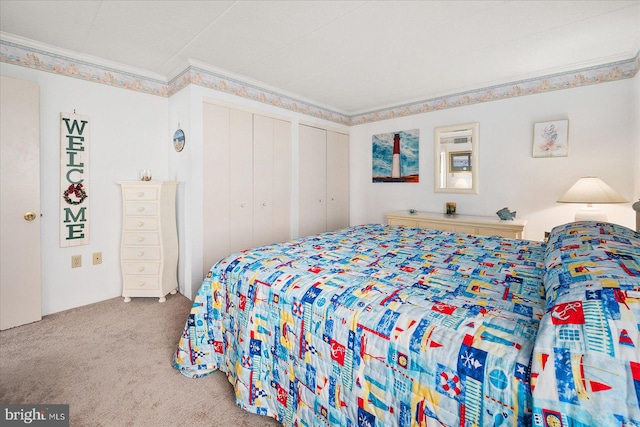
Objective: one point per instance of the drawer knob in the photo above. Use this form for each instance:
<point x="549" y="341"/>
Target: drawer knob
<point x="140" y="193"/>
<point x="140" y="253"/>
<point x="140" y="208"/>
<point x="141" y="269"/>
<point x="141" y="223"/>
<point x="140" y="239"/>
<point x="264" y="204"/>
<point x="141" y="283"/>
<point x="242" y="205"/>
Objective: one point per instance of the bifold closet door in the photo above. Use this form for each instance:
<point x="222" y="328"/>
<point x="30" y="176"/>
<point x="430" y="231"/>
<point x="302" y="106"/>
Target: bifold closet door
<point x="215" y="185"/>
<point x="246" y="181"/>
<point x="337" y="180"/>
<point x="312" y="197"/>
<point x="271" y="180"/>
<point x="240" y="180"/>
<point x="227" y="182"/>
<point x="282" y="181"/>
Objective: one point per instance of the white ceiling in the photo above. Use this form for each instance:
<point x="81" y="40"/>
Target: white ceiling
<point x="352" y="56"/>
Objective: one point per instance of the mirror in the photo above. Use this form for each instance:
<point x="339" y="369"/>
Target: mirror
<point x="456" y="159"/>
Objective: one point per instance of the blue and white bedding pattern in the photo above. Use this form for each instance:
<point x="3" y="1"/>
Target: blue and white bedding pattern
<point x="586" y="361"/>
<point x="373" y="326"/>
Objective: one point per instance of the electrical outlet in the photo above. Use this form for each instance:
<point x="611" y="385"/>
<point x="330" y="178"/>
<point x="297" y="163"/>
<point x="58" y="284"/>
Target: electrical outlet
<point x="97" y="258"/>
<point x="76" y="261"/>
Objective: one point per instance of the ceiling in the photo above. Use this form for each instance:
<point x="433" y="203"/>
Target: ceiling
<point x="351" y="56"/>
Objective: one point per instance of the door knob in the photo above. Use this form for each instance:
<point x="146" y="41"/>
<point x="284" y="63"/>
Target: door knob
<point x="29" y="216"/>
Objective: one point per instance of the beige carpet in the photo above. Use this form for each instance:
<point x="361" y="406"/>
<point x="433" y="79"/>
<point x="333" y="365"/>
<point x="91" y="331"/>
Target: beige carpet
<point x="111" y="362"/>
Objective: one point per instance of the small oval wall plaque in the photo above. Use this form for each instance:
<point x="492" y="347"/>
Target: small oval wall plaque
<point x="178" y="140"/>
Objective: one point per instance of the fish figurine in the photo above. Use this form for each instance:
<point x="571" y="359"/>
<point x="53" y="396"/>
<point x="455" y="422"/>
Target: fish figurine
<point x="505" y="214"/>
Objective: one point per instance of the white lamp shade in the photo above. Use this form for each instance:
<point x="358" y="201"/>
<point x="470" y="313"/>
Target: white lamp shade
<point x="591" y="189"/>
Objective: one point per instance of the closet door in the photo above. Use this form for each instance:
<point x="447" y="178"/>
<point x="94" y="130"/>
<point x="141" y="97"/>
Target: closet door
<point x="312" y="196"/>
<point x="271" y="180"/>
<point x="337" y="180"/>
<point x="215" y="188"/>
<point x="263" y="180"/>
<point x="246" y="181"/>
<point x="281" y="181"/>
<point x="241" y="180"/>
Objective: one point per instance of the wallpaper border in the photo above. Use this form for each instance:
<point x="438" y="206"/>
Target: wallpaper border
<point x="42" y="60"/>
<point x="212" y="80"/>
<point x="613" y="71"/>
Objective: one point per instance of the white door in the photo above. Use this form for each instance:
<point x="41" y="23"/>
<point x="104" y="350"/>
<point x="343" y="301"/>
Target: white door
<point x="215" y="188"/>
<point x="241" y="181"/>
<point x="271" y="180"/>
<point x="262" y="180"/>
<point x="337" y="180"/>
<point x="246" y="181"/>
<point x="312" y="181"/>
<point x="20" y="290"/>
<point x="281" y="180"/>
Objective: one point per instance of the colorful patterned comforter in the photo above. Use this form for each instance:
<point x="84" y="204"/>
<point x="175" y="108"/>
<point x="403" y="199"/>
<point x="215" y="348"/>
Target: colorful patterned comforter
<point x="374" y="326"/>
<point x="586" y="362"/>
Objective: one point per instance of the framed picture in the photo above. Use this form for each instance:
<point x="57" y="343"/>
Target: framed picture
<point x="460" y="161"/>
<point x="395" y="156"/>
<point x="551" y="139"/>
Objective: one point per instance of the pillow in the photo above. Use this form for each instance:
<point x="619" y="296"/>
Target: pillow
<point x="585" y="366"/>
<point x="584" y="258"/>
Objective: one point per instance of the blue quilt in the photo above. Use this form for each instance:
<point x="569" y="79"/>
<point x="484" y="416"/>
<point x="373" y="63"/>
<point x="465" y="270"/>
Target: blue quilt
<point x="374" y="326"/>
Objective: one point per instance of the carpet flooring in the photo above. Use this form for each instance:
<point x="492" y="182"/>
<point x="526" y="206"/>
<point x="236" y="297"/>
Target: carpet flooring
<point x="111" y="362"/>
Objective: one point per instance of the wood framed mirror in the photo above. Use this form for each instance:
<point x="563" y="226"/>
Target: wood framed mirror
<point x="456" y="159"/>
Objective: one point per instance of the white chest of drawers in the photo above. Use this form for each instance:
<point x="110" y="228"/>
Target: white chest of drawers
<point x="467" y="224"/>
<point x="149" y="246"/>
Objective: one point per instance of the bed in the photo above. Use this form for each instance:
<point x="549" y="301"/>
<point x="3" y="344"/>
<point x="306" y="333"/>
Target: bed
<point x="586" y="359"/>
<point x="393" y="326"/>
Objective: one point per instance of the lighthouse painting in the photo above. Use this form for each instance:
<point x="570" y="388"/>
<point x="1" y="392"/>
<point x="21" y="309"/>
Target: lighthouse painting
<point x="395" y="156"/>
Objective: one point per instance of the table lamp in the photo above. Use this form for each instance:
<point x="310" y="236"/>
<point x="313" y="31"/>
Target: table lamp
<point x="591" y="190"/>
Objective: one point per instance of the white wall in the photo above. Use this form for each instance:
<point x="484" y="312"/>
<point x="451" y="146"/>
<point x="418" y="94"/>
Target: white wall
<point x="128" y="133"/>
<point x="181" y="166"/>
<point x="603" y="141"/>
<point x="131" y="131"/>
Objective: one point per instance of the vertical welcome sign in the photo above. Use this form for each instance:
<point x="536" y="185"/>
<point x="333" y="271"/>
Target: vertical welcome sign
<point x="74" y="180"/>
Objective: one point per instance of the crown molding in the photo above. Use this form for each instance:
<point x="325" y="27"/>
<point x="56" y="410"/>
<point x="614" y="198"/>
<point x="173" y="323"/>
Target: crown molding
<point x="28" y="53"/>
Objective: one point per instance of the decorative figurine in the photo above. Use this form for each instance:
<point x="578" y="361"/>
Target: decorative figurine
<point x="504" y="214"/>
<point x="451" y="208"/>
